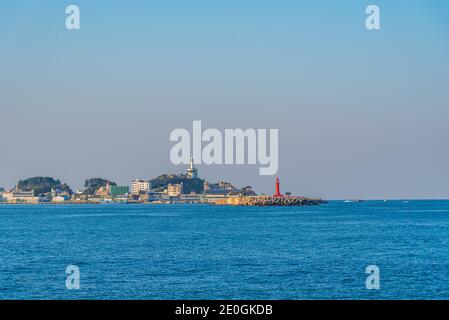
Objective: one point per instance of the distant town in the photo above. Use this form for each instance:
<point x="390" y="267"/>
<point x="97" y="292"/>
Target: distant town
<point x="164" y="189"/>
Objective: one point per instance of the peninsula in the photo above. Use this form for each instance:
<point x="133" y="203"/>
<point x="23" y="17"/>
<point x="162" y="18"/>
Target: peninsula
<point x="164" y="189"/>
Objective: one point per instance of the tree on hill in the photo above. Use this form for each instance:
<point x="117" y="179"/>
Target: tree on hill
<point x="42" y="185"/>
<point x="93" y="184"/>
<point x="189" y="185"/>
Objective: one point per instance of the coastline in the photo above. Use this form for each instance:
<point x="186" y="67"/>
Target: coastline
<point x="245" y="201"/>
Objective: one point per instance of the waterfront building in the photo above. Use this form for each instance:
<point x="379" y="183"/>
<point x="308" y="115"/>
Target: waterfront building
<point x="189" y="198"/>
<point x="218" y="192"/>
<point x="95" y="199"/>
<point x="80" y="197"/>
<point x="140" y="186"/>
<point x="174" y="190"/>
<point x="154" y="196"/>
<point x="121" y="198"/>
<point x="23" y="194"/>
<point x="103" y="191"/>
<point x="55" y="193"/>
<point x="226" y="185"/>
<point x="44" y="198"/>
<point x="192" y="172"/>
<point x="59" y="199"/>
<point x="211" y="198"/>
<point x="20" y="196"/>
<point x="7" y="195"/>
<point x="116" y="191"/>
<point x="151" y="196"/>
<point x="221" y="186"/>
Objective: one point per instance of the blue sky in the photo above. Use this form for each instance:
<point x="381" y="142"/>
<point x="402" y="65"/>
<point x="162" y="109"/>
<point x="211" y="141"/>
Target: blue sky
<point x="361" y="114"/>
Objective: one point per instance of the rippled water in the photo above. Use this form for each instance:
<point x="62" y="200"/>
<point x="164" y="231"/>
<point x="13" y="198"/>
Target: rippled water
<point x="210" y="252"/>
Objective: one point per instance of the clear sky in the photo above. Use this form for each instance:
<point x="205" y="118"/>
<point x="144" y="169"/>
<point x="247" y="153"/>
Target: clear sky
<point x="361" y="114"/>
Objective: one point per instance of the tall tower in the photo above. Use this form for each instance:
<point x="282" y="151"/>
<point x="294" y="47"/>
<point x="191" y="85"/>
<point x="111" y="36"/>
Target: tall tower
<point x="192" y="172"/>
<point x="278" y="192"/>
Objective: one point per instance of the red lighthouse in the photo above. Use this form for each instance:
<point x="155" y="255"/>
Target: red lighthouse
<point x="277" y="193"/>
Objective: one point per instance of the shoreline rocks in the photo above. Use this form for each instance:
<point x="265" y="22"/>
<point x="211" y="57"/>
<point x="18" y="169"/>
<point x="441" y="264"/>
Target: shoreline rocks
<point x="267" y="201"/>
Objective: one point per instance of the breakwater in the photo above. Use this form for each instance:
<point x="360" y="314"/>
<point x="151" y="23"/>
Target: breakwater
<point x="263" y="201"/>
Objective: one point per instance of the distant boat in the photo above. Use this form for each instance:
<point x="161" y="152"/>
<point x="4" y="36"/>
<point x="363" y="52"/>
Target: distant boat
<point x="350" y="201"/>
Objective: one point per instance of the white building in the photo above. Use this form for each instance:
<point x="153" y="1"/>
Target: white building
<point x="138" y="186"/>
<point x="19" y="196"/>
<point x="59" y="199"/>
<point x="174" y="190"/>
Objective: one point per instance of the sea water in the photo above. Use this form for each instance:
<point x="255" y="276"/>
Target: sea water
<point x="222" y="252"/>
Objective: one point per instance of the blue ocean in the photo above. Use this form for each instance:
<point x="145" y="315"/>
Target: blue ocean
<point x="221" y="252"/>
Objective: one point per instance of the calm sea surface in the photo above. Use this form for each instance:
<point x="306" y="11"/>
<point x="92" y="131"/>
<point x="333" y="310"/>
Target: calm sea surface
<point x="212" y="252"/>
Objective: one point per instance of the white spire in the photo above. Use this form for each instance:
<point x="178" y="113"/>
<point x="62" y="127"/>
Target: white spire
<point x="192" y="172"/>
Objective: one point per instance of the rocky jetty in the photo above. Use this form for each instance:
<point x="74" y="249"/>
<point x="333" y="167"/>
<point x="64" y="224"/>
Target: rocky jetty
<point x="281" y="201"/>
<point x="265" y="201"/>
